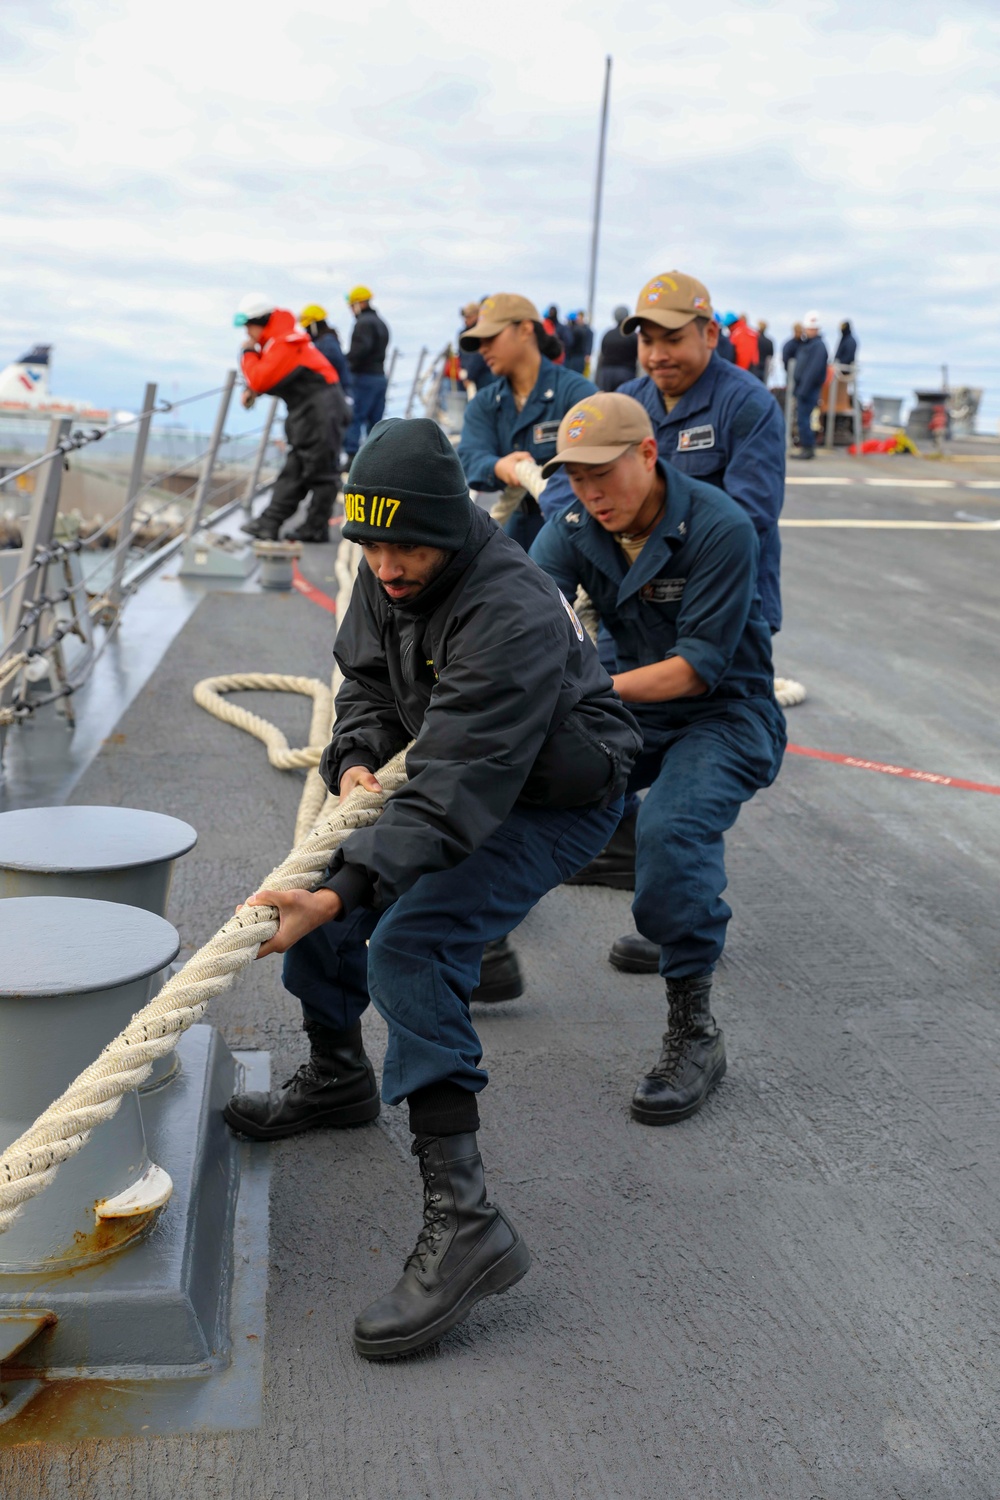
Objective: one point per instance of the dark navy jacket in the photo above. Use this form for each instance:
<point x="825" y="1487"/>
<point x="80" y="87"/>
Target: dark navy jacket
<point x="728" y="431"/>
<point x="491" y="674"/>
<point x="810" y="369"/>
<point x="692" y="592"/>
<point x="847" y="349"/>
<point x="328" y="345"/>
<point x="494" y="427"/>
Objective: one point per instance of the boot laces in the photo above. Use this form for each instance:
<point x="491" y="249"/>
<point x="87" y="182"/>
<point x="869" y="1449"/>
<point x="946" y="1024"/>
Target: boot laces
<point x="306" y="1073"/>
<point x="435" y="1221"/>
<point x="670" y="1057"/>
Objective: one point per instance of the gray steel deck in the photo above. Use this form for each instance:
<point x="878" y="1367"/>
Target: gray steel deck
<point x="794" y="1294"/>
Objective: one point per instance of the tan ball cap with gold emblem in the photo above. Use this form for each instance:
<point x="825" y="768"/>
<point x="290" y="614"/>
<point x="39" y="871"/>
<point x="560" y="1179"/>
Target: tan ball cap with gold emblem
<point x="671" y="299"/>
<point x="599" y="429"/>
<point x="495" y="313"/>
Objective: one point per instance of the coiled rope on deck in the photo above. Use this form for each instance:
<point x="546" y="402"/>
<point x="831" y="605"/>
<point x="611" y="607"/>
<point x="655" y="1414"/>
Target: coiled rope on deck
<point x="208" y="695"/>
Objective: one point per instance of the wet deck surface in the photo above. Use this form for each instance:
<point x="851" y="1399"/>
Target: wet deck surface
<point x="795" y="1293"/>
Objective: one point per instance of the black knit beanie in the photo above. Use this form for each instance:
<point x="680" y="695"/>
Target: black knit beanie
<point x="407" y="485"/>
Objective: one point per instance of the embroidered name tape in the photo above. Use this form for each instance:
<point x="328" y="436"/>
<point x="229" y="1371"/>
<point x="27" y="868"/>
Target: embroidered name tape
<point x="663" y="590"/>
<point x="695" y="437"/>
<point x="545" y="432"/>
<point x="371" y="510"/>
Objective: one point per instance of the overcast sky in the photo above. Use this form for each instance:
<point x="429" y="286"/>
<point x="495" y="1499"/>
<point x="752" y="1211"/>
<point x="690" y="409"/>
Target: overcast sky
<point x="161" y="161"/>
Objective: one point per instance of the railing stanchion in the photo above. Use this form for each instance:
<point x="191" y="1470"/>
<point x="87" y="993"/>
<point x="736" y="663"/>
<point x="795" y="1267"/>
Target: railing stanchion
<point x="205" y="481"/>
<point x="416" y="382"/>
<point x="390" y="373"/>
<point x="258" y="463"/>
<point x="789" y="405"/>
<point x="114" y="591"/>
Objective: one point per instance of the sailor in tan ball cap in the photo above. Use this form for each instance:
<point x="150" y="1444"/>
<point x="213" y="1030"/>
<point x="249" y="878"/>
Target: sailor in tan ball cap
<point x="670" y="565"/>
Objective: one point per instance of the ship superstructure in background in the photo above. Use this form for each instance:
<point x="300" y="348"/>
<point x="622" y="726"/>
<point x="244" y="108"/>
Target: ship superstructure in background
<point x="24" y="391"/>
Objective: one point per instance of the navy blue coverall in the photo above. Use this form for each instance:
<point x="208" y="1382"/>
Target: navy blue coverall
<point x="494" y="427"/>
<point x="691" y="593"/>
<point x="810" y="372"/>
<point x="728" y="431"/>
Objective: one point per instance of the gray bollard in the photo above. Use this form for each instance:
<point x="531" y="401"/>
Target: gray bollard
<point x="276" y="559"/>
<point x="121" y="854"/>
<point x="72" y="974"/>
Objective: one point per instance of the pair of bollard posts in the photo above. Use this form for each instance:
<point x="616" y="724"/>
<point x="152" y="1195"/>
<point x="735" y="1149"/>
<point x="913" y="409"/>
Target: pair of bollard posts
<point x="85" y="945"/>
<point x="123" y="1266"/>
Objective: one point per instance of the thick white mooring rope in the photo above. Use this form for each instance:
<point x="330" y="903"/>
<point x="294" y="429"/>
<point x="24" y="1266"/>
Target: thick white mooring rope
<point x="31" y="1162"/>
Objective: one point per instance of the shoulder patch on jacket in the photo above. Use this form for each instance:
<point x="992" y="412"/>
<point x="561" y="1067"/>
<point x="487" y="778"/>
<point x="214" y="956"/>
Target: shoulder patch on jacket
<point x="574" y="617"/>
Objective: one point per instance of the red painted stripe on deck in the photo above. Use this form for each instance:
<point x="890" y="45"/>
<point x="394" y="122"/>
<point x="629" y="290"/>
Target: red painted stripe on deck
<point x="906" y="772"/>
<point x="311" y="592"/>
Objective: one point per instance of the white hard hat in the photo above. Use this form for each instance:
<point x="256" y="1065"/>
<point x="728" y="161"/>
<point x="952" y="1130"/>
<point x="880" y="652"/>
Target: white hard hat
<point x="811" y="320"/>
<point x="253" y="309"/>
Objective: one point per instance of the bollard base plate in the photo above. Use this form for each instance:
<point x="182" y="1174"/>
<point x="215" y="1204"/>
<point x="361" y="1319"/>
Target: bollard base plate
<point x="221" y="1386"/>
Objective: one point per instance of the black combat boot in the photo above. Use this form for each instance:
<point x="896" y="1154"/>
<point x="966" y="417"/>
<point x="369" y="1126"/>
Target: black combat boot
<point x="499" y="974"/>
<point x="615" y="865"/>
<point x="692" y="1060"/>
<point x="634" y="954"/>
<point x="467" y="1249"/>
<point x="335" y="1087"/>
<point x="260" y="529"/>
<point x="308" y="532"/>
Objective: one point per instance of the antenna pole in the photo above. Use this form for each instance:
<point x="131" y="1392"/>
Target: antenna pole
<point x="598" y="192"/>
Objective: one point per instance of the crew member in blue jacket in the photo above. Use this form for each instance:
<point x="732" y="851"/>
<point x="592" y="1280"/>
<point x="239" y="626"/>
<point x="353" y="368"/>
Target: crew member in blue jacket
<point x="518" y="415"/>
<point x="670" y="564"/>
<point x="718" y="424"/>
<point x="811" y="362"/>
<point x="711" y="419"/>
<point x="327" y="341"/>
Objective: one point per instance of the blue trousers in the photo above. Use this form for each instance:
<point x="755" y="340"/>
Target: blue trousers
<point x="698" y="776"/>
<point x="423" y="956"/>
<point x="369" y="408"/>
<point x="804" y="407"/>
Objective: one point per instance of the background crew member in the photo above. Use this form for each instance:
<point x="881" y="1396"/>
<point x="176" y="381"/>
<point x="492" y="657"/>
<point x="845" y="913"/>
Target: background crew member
<point x="327" y="341"/>
<point x="791" y="347"/>
<point x="279" y="359"/>
<point x="619" y="354"/>
<point x="522" y="751"/>
<point x="847" y="348"/>
<point x="670" y="564"/>
<point x="765" y="350"/>
<point x="716" y="423"/>
<point x="581" y="344"/>
<point x="366" y="357"/>
<point x="810" y="375"/>
<point x="476" y="372"/>
<point x="553" y="324"/>
<point x="518" y="416"/>
<point x="745" y="346"/>
<point x="724" y="348"/>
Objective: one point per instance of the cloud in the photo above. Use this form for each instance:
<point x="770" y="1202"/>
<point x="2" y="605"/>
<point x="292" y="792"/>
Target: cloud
<point x="160" y="162"/>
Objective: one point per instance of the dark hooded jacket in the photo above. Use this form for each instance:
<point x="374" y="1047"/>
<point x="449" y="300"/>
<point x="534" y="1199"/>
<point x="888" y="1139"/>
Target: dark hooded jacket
<point x="493" y="676"/>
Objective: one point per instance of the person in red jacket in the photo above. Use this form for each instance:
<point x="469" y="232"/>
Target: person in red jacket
<point x="280" y="359"/>
<point x="745" y="343"/>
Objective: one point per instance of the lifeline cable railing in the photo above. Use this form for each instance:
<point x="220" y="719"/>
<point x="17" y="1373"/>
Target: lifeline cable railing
<point x="33" y="629"/>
